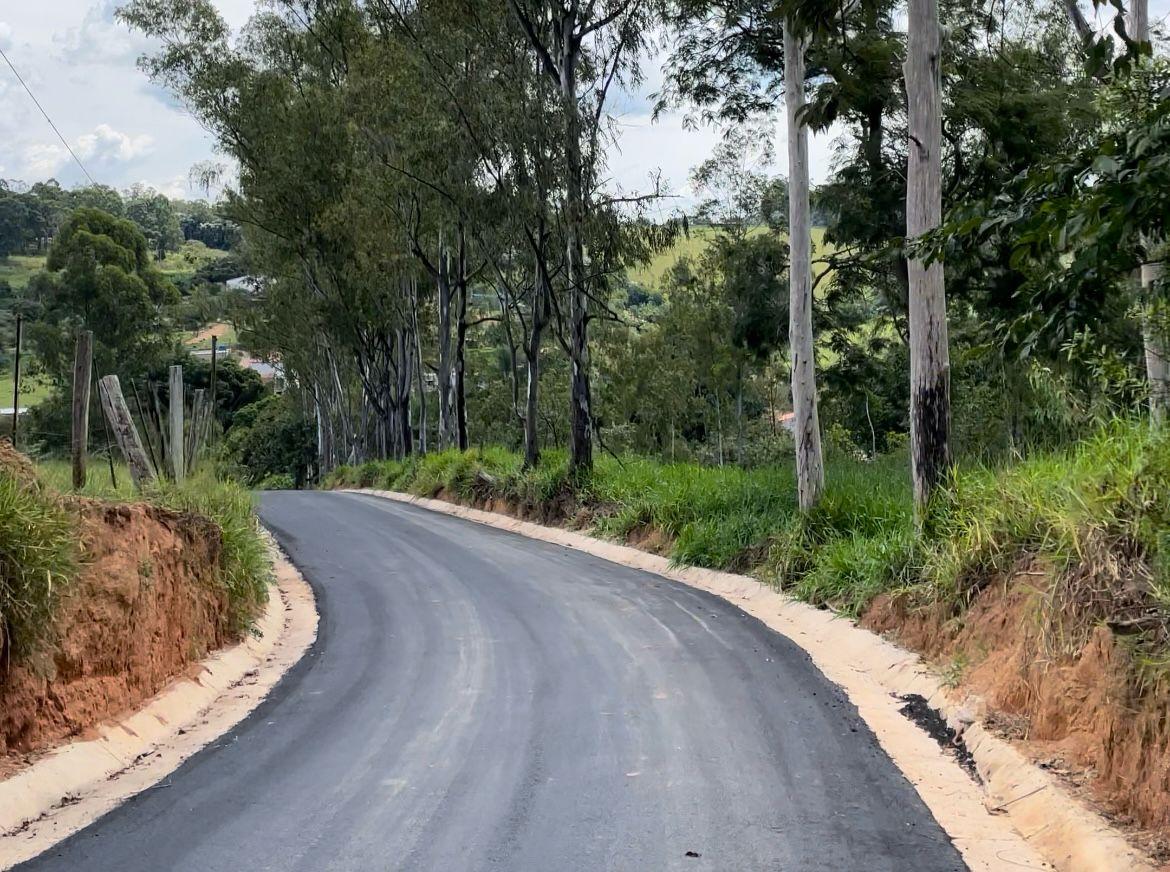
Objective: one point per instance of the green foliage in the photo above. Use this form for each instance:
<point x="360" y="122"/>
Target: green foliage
<point x="38" y="560"/>
<point x="270" y="438"/>
<point x="99" y="276"/>
<point x="235" y="386"/>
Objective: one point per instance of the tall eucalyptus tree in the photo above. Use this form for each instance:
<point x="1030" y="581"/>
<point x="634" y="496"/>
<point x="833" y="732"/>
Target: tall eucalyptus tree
<point x="930" y="368"/>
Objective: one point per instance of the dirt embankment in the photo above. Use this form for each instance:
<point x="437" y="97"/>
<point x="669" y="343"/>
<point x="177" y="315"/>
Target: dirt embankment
<point x="1072" y="697"/>
<point x="144" y="606"/>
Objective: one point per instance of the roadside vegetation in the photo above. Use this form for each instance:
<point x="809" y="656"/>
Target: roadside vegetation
<point x="1098" y="511"/>
<point x="38" y="559"/>
<point x="40" y="554"/>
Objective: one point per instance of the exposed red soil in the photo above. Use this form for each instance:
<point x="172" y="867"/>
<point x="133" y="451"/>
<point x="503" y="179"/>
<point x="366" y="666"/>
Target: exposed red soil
<point x="143" y="608"/>
<point x="1075" y="706"/>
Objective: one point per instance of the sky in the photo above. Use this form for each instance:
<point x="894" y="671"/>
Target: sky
<point x="81" y="65"/>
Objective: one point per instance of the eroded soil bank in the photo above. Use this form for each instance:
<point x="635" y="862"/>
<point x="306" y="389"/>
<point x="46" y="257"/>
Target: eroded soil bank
<point x="145" y="605"/>
<point x="1072" y="698"/>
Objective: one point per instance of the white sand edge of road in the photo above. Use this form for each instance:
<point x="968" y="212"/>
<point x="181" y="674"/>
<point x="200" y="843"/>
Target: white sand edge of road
<point x="75" y="784"/>
<point x="1020" y="818"/>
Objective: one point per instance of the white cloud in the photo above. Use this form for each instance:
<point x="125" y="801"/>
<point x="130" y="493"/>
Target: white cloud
<point x="101" y="39"/>
<point x="178" y="188"/>
<point x="107" y="144"/>
<point x="5" y="35"/>
<point x="42" y="160"/>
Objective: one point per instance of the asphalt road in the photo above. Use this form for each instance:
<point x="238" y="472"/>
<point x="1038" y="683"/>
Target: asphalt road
<point x="477" y="700"/>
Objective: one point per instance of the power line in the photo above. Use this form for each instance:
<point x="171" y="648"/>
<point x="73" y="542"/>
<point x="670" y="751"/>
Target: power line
<point x="68" y="147"/>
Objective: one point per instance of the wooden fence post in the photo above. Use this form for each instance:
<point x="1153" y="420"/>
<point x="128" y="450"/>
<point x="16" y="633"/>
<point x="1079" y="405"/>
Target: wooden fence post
<point x="194" y="429"/>
<point x="16" y="385"/>
<point x="82" y="373"/>
<point x="125" y="433"/>
<point x="177" y="442"/>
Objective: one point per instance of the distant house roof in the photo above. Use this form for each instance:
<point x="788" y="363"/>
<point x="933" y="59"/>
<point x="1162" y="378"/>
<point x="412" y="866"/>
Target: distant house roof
<point x="251" y="284"/>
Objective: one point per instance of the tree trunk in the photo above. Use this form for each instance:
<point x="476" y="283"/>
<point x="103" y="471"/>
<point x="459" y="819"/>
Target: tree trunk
<point x="1156" y="341"/>
<point x="1154" y="332"/>
<point x="930" y="370"/>
<point x="810" y="465"/>
<point x="448" y="435"/>
<point x="580" y="394"/>
<point x="459" y="385"/>
<point x="540" y="317"/>
<point x="1138" y="24"/>
<point x="418" y="370"/>
<point x="719" y="424"/>
<point x="405" y="353"/>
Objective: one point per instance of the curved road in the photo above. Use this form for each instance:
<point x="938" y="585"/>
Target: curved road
<point x="477" y="700"/>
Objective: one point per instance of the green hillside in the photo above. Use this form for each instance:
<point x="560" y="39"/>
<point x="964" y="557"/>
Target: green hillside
<point x="651" y="275"/>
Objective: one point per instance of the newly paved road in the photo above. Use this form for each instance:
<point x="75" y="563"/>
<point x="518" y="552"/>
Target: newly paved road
<point x="481" y="701"/>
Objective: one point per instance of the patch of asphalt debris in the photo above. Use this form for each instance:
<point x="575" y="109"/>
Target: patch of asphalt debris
<point x="917" y="709"/>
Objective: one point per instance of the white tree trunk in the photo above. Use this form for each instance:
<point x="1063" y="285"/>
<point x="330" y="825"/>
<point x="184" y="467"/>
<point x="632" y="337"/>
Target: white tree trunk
<point x="930" y="369"/>
<point x="1138" y="23"/>
<point x="1156" y="341"/>
<point x="810" y="467"/>
<point x="1154" y="333"/>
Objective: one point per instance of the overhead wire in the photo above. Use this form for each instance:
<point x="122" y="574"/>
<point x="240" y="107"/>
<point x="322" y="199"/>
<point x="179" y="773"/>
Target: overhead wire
<point x="28" y="90"/>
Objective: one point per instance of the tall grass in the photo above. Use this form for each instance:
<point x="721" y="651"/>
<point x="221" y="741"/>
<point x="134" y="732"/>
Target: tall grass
<point x="245" y="569"/>
<point x="38" y="559"/>
<point x="1104" y="505"/>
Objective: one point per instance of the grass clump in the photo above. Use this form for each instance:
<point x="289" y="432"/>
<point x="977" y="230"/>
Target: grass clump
<point x="245" y="568"/>
<point x="38" y="559"/>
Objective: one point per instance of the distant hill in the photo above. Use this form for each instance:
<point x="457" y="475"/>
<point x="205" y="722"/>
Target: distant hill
<point x="693" y="245"/>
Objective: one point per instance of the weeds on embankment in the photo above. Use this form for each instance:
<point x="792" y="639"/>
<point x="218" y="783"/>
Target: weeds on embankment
<point x="39" y="549"/>
<point x="1099" y="512"/>
<point x="38" y="558"/>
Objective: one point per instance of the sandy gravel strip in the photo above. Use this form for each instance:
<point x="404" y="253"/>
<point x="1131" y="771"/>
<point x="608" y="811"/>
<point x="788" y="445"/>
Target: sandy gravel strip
<point x="1021" y="818"/>
<point x="75" y="784"/>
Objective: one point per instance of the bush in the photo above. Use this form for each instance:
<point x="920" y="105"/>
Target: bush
<point x="271" y="438"/>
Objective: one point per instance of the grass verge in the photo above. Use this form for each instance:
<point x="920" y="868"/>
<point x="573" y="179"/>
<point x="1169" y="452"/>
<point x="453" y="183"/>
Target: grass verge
<point x="1098" y="515"/>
